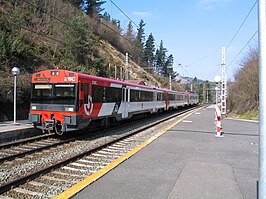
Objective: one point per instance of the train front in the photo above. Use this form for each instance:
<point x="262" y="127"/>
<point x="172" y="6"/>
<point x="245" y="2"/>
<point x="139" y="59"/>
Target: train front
<point x="54" y="101"/>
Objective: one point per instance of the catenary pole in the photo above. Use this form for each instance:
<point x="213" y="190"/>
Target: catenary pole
<point x="262" y="97"/>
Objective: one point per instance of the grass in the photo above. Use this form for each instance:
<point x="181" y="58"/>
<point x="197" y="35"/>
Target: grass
<point x="248" y="115"/>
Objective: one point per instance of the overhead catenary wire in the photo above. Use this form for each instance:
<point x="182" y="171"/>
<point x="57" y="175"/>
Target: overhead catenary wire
<point x="238" y="30"/>
<point x="242" y="24"/>
<point x="144" y="32"/>
<point x="68" y="25"/>
<point x="130" y="19"/>
<point x="231" y="41"/>
<point x="243" y="47"/>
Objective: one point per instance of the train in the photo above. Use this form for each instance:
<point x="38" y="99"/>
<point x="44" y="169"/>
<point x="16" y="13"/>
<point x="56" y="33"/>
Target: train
<point x="63" y="101"/>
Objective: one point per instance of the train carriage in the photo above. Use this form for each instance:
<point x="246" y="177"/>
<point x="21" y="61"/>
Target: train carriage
<point x="66" y="101"/>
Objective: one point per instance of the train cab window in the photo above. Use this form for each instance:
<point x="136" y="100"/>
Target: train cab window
<point x="64" y="90"/>
<point x="42" y="90"/>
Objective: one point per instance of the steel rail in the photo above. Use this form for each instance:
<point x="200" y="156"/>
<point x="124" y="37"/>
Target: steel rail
<point x="6" y="187"/>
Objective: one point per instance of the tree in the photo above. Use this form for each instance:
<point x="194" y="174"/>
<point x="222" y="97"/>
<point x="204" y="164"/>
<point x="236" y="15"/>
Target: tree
<point x="106" y="17"/>
<point x="169" y="64"/>
<point x="160" y="60"/>
<point x="93" y="7"/>
<point x="76" y="3"/>
<point x="244" y="92"/>
<point x="77" y="39"/>
<point x="13" y="48"/>
<point x="129" y="34"/>
<point x="141" y="35"/>
<point x="149" y="50"/>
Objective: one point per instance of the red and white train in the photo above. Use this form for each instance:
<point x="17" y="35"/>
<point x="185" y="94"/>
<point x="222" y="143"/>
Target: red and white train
<point x="64" y="101"/>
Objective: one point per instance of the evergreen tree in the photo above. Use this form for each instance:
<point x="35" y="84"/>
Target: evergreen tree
<point x="149" y="50"/>
<point x="76" y="3"/>
<point x="106" y="17"/>
<point x="168" y="66"/>
<point x="160" y="58"/>
<point x="129" y="34"/>
<point x="77" y="38"/>
<point x="141" y="34"/>
<point x="93" y="7"/>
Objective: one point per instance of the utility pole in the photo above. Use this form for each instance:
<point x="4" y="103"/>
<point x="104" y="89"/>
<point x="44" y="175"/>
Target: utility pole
<point x="121" y="73"/>
<point x="126" y="70"/>
<point x="223" y="84"/>
<point x="262" y="98"/>
<point x="115" y="72"/>
<point x="110" y="72"/>
<point x="207" y="96"/>
<point x="204" y="92"/>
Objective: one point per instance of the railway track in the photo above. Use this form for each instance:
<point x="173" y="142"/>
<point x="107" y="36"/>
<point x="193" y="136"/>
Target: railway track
<point x="60" y="167"/>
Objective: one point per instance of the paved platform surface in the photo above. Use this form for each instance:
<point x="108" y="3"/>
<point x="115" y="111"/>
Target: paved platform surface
<point x="21" y="129"/>
<point x="188" y="162"/>
<point x="10" y="126"/>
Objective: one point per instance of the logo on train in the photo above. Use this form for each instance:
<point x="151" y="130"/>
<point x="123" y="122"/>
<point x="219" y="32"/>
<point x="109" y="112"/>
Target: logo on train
<point x="88" y="107"/>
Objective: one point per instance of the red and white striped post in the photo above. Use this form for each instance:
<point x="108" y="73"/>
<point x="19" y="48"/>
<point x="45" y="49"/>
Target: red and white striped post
<point x="218" y="122"/>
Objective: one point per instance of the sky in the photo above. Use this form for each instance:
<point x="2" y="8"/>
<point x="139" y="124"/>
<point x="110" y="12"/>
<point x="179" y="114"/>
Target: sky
<point x="195" y="31"/>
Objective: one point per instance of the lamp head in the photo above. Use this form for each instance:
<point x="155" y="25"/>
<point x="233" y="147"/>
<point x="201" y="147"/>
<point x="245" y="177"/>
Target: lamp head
<point x="15" y="71"/>
<point x="217" y="79"/>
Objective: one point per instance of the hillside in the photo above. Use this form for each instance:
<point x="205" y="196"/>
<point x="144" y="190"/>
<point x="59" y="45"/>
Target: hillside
<point x="114" y="57"/>
<point x="38" y="35"/>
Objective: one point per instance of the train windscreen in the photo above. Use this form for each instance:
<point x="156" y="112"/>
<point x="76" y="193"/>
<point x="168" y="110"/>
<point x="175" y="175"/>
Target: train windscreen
<point x="54" y="93"/>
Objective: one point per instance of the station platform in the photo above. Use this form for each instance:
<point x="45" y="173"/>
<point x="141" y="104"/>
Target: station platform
<point x="188" y="161"/>
<point x="21" y="129"/>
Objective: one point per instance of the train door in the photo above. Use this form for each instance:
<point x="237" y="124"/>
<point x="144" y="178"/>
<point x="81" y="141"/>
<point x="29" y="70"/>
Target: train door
<point x="125" y="102"/>
<point x="154" y="101"/>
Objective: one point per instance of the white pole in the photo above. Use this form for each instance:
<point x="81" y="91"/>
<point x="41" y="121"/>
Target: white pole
<point x="262" y="98"/>
<point x="223" y="84"/>
<point x="121" y="73"/>
<point x="115" y="71"/>
<point x="170" y="82"/>
<point x="207" y="97"/>
<point x="126" y="70"/>
<point x="15" y="98"/>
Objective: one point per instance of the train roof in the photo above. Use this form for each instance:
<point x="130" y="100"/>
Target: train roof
<point x="60" y="75"/>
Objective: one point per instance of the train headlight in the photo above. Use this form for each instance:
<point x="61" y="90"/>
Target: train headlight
<point x="33" y="107"/>
<point x="69" y="109"/>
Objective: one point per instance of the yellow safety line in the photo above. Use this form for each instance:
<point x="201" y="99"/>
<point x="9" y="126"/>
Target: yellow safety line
<point x="95" y="176"/>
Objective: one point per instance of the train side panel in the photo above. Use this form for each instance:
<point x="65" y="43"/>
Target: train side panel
<point x="67" y="101"/>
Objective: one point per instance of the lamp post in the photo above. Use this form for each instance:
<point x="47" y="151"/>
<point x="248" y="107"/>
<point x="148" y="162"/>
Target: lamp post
<point x="15" y="71"/>
<point x="217" y="80"/>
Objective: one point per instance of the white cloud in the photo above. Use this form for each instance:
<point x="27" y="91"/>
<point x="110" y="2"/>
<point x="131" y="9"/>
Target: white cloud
<point x="141" y="13"/>
<point x="211" y="4"/>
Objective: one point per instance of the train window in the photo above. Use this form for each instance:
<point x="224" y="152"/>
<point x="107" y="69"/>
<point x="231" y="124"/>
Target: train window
<point x="85" y="88"/>
<point x="42" y="90"/>
<point x="171" y="97"/>
<point x="180" y="97"/>
<point x="159" y="96"/>
<point x="113" y="94"/>
<point x="64" y="90"/>
<point x="143" y="96"/>
<point x="97" y="94"/>
<point x="164" y="97"/>
<point x="147" y="96"/>
<point x="134" y="95"/>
